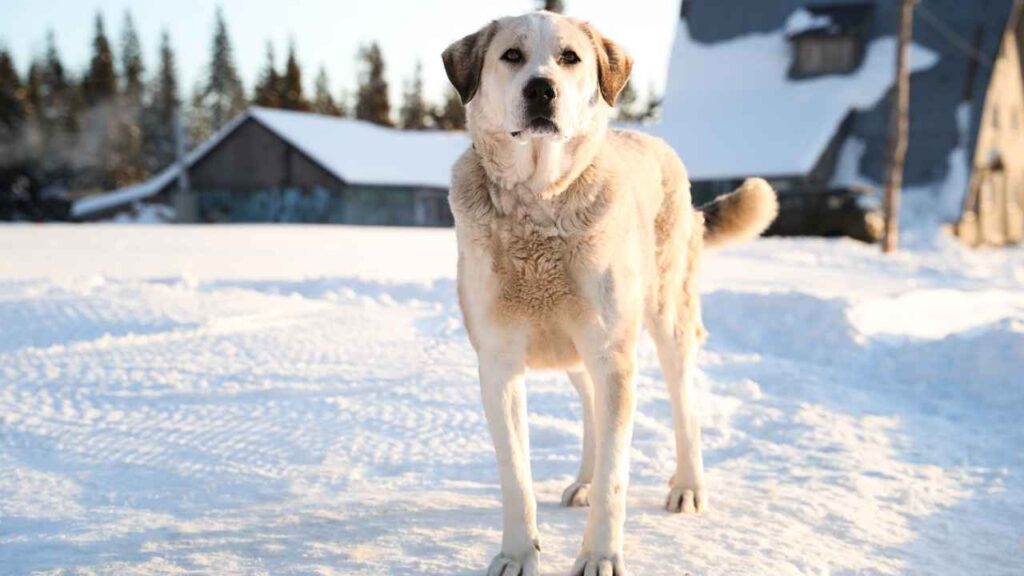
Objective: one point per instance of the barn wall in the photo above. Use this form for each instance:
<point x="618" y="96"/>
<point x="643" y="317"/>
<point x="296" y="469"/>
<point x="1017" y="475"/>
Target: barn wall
<point x="255" y="176"/>
<point x="253" y="157"/>
<point x="360" y="205"/>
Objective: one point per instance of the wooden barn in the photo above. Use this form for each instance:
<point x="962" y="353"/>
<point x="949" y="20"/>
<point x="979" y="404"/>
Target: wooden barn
<point x="282" y="166"/>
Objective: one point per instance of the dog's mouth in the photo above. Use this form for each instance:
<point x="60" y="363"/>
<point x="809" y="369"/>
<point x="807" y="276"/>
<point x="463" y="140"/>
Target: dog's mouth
<point x="538" y="126"/>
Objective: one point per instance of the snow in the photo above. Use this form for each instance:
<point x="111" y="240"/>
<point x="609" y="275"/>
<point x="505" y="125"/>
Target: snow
<point x="145" y="214"/>
<point x="729" y="118"/>
<point x="303" y="400"/>
<point x="363" y="153"/>
<point x="847" y="172"/>
<point x="802" y="20"/>
<point x="90" y="205"/>
<point x="357" y="152"/>
<point x="926" y="207"/>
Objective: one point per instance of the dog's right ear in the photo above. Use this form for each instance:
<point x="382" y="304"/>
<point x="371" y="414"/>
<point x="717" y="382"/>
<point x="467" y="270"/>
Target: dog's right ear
<point x="464" y="61"/>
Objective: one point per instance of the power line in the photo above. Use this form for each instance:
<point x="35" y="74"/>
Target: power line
<point x="955" y="39"/>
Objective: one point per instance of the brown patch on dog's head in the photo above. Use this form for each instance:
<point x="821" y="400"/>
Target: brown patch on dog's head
<point x="613" y="64"/>
<point x="464" y="61"/>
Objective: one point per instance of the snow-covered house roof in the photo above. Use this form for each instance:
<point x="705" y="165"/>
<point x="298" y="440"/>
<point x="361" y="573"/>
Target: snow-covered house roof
<point x="354" y="151"/>
<point x="732" y="109"/>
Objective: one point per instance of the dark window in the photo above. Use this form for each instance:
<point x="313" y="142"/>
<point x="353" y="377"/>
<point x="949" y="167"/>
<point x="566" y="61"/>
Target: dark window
<point x="816" y="55"/>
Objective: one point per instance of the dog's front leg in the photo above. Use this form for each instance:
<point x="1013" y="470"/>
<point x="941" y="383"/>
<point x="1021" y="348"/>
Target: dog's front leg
<point x="501" y="385"/>
<point x="612" y="365"/>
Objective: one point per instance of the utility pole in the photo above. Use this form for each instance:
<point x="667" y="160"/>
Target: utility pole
<point x="898" y="126"/>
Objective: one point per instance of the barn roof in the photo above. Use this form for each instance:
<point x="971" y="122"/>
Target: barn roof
<point x="356" y="152"/>
<point x="364" y="153"/>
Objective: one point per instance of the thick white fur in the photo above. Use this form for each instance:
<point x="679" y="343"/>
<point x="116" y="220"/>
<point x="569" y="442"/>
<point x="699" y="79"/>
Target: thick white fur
<point x="568" y="243"/>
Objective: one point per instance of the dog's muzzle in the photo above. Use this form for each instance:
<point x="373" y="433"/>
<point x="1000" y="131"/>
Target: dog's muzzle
<point x="539" y="96"/>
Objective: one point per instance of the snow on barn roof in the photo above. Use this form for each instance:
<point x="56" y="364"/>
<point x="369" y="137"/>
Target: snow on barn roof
<point x="731" y="110"/>
<point x="355" y="151"/>
<point x="802" y="21"/>
<point x="364" y="153"/>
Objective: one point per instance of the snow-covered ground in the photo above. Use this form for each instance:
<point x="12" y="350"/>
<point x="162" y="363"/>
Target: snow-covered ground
<point x="303" y="400"/>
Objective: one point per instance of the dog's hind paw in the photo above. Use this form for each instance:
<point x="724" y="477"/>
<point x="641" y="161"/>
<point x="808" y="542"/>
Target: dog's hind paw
<point x="593" y="565"/>
<point x="686" y="500"/>
<point x="519" y="565"/>
<point x="576" y="494"/>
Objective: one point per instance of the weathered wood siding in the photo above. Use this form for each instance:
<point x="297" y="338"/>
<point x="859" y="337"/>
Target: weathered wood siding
<point x="253" y="157"/>
<point x="994" y="207"/>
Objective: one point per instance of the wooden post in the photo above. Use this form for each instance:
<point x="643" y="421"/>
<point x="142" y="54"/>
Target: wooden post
<point x="900" y="121"/>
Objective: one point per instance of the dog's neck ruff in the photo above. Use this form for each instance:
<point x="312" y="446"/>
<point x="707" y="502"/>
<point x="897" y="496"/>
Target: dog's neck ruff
<point x="537" y="168"/>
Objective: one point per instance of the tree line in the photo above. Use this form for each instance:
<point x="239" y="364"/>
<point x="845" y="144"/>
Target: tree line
<point x="115" y="123"/>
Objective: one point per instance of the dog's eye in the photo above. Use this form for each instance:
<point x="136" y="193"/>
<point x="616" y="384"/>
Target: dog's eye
<point x="512" y="55"/>
<point x="569" y="57"/>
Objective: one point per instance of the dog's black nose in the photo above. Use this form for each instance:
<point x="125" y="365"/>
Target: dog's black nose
<point x="539" y="91"/>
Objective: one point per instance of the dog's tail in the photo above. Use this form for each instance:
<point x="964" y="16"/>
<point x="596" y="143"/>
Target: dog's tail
<point x="740" y="215"/>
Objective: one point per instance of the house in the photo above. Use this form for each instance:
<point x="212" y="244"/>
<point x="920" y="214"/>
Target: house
<point x="283" y="166"/>
<point x="799" y="91"/>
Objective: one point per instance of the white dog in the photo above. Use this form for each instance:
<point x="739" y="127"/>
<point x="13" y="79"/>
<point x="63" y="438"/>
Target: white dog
<point x="571" y="236"/>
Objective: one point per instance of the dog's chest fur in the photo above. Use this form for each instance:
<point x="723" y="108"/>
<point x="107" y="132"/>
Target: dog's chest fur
<point x="535" y="244"/>
<point x="533" y="267"/>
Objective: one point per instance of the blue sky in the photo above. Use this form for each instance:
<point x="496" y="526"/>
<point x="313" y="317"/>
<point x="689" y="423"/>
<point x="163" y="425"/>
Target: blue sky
<point x="324" y="32"/>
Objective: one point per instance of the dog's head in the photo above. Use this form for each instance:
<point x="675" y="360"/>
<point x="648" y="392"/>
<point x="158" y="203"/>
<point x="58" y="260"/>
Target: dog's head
<point x="538" y="75"/>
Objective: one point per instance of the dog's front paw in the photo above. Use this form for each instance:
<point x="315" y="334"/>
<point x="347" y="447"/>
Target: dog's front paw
<point x="527" y="564"/>
<point x="590" y="564"/>
<point x="686" y="500"/>
<point x="576" y="495"/>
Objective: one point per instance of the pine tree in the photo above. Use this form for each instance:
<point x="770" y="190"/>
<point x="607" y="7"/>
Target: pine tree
<point x="131" y="61"/>
<point x="413" y="115"/>
<point x="323" y="103"/>
<point x="557" y="6"/>
<point x="96" y="161"/>
<point x="372" y="102"/>
<point x="450" y="115"/>
<point x="268" y="88"/>
<point x="199" y="127"/>
<point x="291" y="84"/>
<point x="56" y="106"/>
<point x="58" y="97"/>
<point x="221" y="97"/>
<point x="160" y="119"/>
<point x="100" y="82"/>
<point x="12" y="106"/>
<point x="129" y="162"/>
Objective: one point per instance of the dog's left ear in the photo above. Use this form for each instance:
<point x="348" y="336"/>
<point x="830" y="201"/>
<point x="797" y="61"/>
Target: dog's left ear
<point x="613" y="65"/>
<point x="464" y="61"/>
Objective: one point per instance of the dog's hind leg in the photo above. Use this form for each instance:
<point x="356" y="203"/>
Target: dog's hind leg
<point x="578" y="493"/>
<point x="677" y="331"/>
<point x="677" y="353"/>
